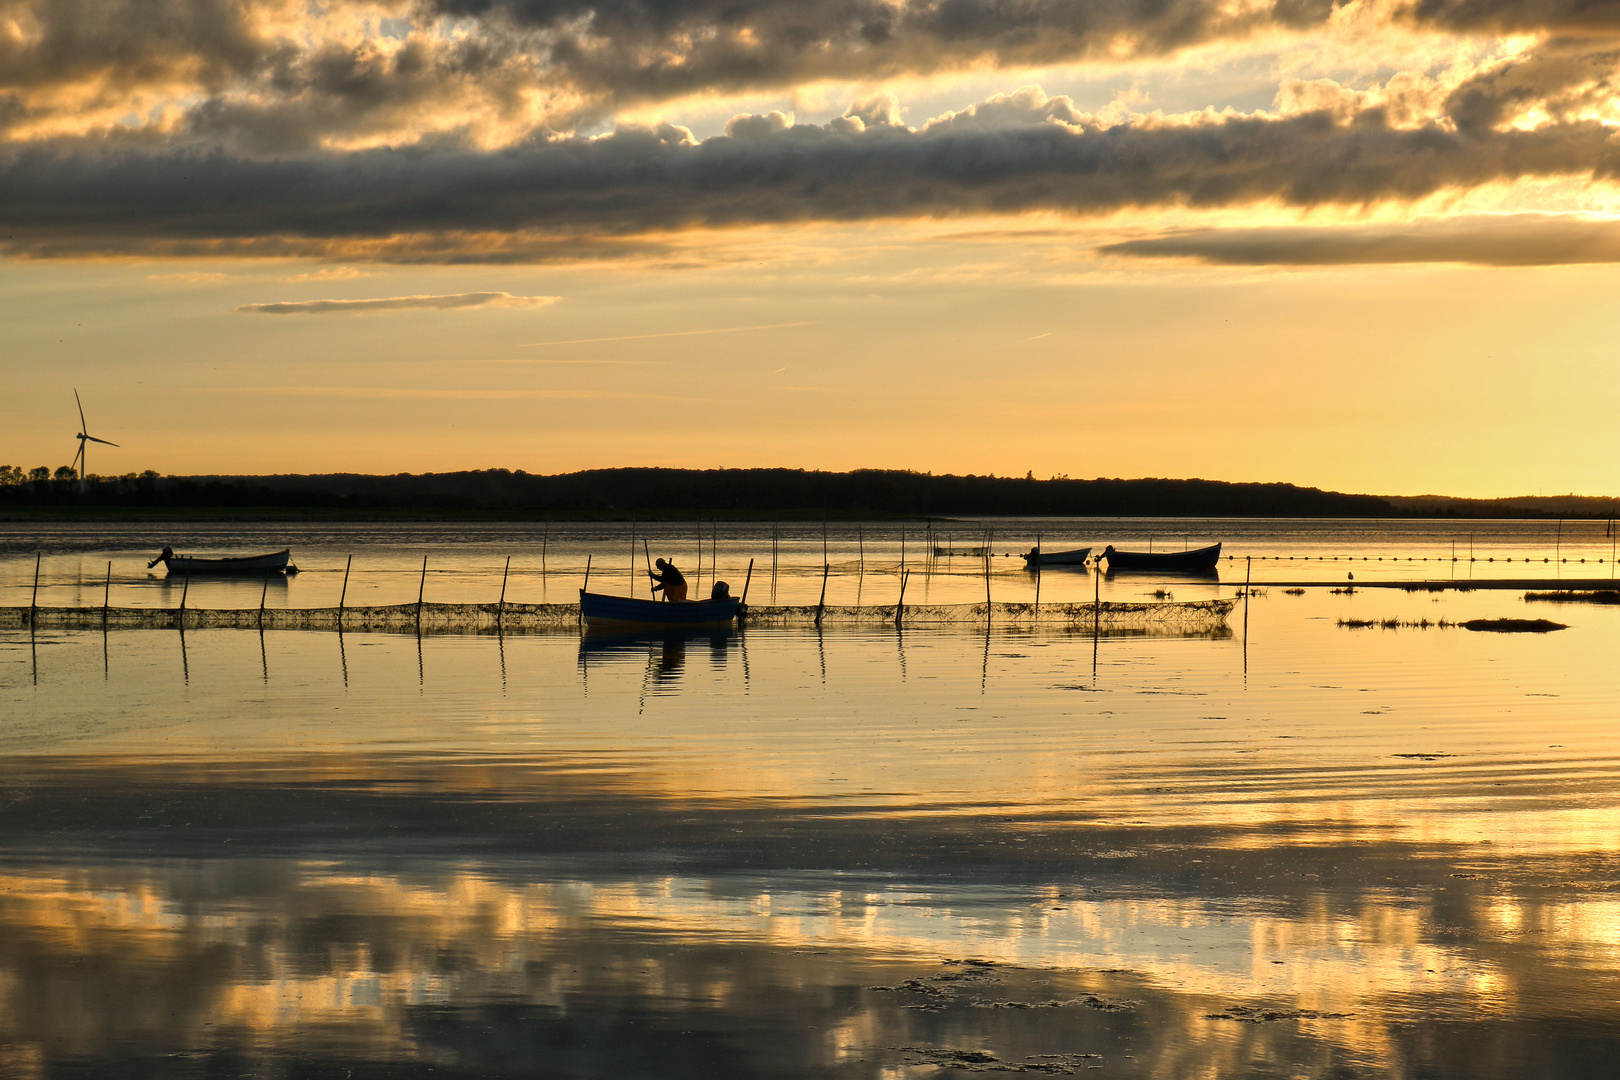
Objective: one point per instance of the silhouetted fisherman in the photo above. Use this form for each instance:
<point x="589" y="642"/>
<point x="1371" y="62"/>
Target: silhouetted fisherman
<point x="670" y="580"/>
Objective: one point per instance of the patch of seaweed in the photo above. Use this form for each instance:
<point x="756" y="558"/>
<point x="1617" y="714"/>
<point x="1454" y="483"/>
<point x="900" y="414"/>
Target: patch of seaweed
<point x="947" y="1057"/>
<point x="1514" y="626"/>
<point x="1602" y="596"/>
<point x="1395" y="624"/>
<point x="1245" y="1014"/>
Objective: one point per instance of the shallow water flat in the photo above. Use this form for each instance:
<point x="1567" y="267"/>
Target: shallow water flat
<point x="1289" y="847"/>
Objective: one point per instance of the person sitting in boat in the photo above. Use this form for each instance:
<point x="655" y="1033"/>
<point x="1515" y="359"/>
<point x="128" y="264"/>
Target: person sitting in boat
<point x="721" y="591"/>
<point x="670" y="580"/>
<point x="168" y="553"/>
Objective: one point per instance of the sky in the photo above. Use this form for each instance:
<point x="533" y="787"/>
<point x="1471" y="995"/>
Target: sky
<point x="1368" y="246"/>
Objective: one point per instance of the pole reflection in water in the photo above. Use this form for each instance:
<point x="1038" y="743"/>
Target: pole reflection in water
<point x="1390" y="856"/>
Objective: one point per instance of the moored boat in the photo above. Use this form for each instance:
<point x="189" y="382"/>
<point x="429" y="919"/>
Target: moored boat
<point x="602" y="611"/>
<point x="273" y="563"/>
<point x="1203" y="558"/>
<point x="1072" y="557"/>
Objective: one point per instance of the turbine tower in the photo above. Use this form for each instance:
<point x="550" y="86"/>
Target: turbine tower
<point x="84" y="438"/>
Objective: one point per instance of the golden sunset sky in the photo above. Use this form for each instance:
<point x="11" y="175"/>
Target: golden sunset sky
<point x="1369" y="246"/>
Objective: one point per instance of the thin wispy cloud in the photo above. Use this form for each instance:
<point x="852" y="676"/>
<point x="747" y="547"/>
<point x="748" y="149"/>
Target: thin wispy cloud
<point x="668" y="334"/>
<point x="447" y="302"/>
<point x="435" y="394"/>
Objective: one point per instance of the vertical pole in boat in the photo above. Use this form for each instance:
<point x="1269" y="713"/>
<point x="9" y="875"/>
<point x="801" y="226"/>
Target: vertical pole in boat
<point x="500" y="608"/>
<point x="263" y="592"/>
<point x="343" y="594"/>
<point x="421" y="587"/>
<point x="822" y="603"/>
<point x="587" y="584"/>
<point x="106" y="596"/>
<point x="650" y="579"/>
<point x="900" y="605"/>
<point x="33" y="597"/>
<point x="697" y="579"/>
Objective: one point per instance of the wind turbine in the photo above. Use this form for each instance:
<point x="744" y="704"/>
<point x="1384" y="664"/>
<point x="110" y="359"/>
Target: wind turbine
<point x="84" y="437"/>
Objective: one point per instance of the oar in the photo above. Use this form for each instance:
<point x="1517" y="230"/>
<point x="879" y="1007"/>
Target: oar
<point x="650" y="578"/>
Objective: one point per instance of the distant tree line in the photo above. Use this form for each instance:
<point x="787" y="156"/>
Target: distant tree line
<point x="613" y="493"/>
<point x="623" y="492"/>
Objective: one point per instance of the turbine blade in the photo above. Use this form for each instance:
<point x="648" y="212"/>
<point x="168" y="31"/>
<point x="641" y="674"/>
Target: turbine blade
<point x="82" y="425"/>
<point x="103" y="442"/>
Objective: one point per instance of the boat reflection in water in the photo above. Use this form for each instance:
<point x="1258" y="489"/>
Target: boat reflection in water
<point x="664" y="651"/>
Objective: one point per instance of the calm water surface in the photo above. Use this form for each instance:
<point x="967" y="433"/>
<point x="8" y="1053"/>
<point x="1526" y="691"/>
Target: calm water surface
<point x="1283" y="848"/>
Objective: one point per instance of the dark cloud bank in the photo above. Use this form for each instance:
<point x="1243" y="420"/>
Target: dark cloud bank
<point x="81" y="198"/>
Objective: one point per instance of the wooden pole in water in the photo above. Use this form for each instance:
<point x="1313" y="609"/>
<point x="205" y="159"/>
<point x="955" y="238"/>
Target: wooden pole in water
<point x="421" y="587"/>
<point x="822" y="603"/>
<point x="823" y="542"/>
<point x="742" y="605"/>
<point x="344" y="593"/>
<point x="545" y="538"/>
<point x="263" y="592"/>
<point x="1558" y="545"/>
<point x="988" y="540"/>
<point x="33" y="597"/>
<point x="1248" y="576"/>
<point x="900" y="605"/>
<point x="500" y="608"/>
<point x="106" y="596"/>
<point x="860" y="538"/>
<point x="632" y="556"/>
<point x="184" y="589"/>
<point x="1037" y="573"/>
<point x="646" y="551"/>
<point x="902" y="549"/>
<point x="1096" y="596"/>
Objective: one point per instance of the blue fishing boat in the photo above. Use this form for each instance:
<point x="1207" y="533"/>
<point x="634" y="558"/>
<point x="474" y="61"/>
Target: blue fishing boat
<point x="601" y="611"/>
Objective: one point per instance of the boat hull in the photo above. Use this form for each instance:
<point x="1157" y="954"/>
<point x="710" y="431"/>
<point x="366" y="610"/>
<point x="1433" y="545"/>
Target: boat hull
<point x="187" y="566"/>
<point x="1075" y="557"/>
<point x="603" y="612"/>
<point x="1197" y="559"/>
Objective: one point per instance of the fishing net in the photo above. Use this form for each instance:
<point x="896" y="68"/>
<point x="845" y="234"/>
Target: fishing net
<point x="477" y="618"/>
